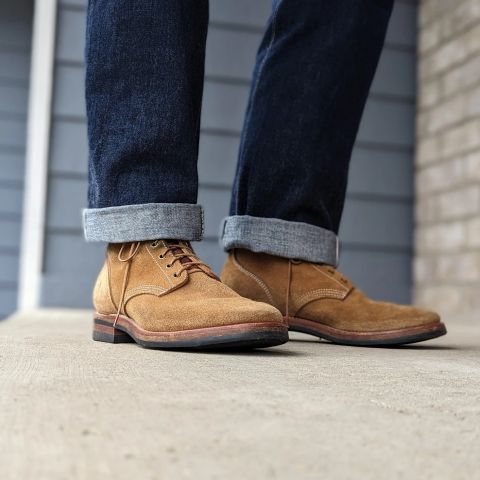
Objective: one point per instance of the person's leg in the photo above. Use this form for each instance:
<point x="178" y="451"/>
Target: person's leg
<point x="312" y="77"/>
<point x="144" y="81"/>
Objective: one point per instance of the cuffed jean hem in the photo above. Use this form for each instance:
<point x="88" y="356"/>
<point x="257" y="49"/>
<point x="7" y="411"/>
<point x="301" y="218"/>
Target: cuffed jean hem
<point x="148" y="221"/>
<point x="281" y="238"/>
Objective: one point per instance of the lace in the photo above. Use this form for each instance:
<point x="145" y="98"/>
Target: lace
<point x="188" y="259"/>
<point x="132" y="252"/>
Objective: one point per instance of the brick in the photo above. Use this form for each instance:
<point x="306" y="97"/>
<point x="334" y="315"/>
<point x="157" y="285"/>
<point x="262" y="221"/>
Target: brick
<point x="458" y="203"/>
<point x="424" y="270"/>
<point x="425" y="211"/>
<point x="473" y="233"/>
<point x="472" y="102"/>
<point x="429" y="94"/>
<point x="443" y="298"/>
<point x="459" y="19"/>
<point x="428" y="150"/>
<point x="472" y="166"/>
<point x="437" y="177"/>
<point x="447" y="113"/>
<point x="442" y="238"/>
<point x="447" y="55"/>
<point x="450" y="54"/>
<point x="461" y="267"/>
<point x="429" y="37"/>
<point x="460" y="139"/>
<point x="447" y="183"/>
<point x="432" y="10"/>
<point x="457" y="80"/>
<point x="471" y="299"/>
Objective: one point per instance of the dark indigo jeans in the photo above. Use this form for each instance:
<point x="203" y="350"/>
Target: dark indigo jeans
<point x="144" y="81"/>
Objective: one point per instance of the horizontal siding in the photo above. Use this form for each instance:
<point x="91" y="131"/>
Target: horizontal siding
<point x="377" y="225"/>
<point x="9" y="270"/>
<point x="10" y="237"/>
<point x="12" y="133"/>
<point x="15" y="23"/>
<point x="389" y="273"/>
<point x="15" y="99"/>
<point x="12" y="165"/>
<point x="14" y="67"/>
<point x="11" y="200"/>
<point x="8" y="298"/>
<point x="15" y="32"/>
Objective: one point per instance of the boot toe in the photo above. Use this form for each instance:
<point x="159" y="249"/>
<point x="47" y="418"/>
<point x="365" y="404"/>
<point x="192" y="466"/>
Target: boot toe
<point x="413" y="316"/>
<point x="236" y="311"/>
<point x="194" y="314"/>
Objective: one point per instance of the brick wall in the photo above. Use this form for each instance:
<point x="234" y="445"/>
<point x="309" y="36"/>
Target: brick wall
<point x="447" y="264"/>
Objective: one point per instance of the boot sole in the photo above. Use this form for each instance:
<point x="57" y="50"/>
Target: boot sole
<point x="239" y="336"/>
<point x="368" y="339"/>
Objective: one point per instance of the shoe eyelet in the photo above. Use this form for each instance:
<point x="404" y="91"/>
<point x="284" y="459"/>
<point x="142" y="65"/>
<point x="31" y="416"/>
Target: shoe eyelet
<point x="175" y="275"/>
<point x="154" y="244"/>
<point x="161" y="255"/>
<point x="168" y="265"/>
<point x="296" y="261"/>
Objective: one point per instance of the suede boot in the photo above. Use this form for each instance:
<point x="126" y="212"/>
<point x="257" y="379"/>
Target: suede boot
<point x="159" y="294"/>
<point x="318" y="300"/>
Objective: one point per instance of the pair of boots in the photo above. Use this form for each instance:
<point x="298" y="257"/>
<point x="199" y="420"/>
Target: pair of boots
<point x="159" y="294"/>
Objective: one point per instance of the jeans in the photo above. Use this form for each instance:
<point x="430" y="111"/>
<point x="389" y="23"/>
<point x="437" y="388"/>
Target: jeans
<point x="144" y="82"/>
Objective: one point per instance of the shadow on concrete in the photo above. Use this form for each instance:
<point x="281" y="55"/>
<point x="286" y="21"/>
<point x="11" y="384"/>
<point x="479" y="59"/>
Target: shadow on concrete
<point x="267" y="352"/>
<point x="390" y="347"/>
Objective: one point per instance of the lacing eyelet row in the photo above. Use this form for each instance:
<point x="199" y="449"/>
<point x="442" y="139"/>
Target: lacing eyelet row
<point x="194" y="262"/>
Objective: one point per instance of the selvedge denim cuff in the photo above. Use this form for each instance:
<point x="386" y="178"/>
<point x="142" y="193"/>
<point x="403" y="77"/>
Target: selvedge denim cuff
<point x="281" y="238"/>
<point x="148" y="221"/>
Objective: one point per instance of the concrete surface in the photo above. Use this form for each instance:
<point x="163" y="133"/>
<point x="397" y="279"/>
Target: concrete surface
<point x="71" y="408"/>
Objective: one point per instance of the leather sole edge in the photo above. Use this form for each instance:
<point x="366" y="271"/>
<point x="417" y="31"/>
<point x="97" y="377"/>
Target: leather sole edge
<point x="363" y="339"/>
<point x="237" y="336"/>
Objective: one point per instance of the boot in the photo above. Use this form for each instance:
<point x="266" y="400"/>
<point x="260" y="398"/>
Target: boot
<point x="160" y="295"/>
<point x="318" y="300"/>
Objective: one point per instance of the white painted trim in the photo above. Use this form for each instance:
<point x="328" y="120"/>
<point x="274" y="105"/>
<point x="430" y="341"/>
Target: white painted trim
<point x="37" y="152"/>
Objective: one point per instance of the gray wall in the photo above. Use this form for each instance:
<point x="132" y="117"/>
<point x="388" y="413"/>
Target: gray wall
<point x="15" y="33"/>
<point x="377" y="226"/>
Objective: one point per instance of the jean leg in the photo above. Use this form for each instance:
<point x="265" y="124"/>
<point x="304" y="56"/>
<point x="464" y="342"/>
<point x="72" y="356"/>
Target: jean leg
<point x="144" y="83"/>
<point x="312" y="76"/>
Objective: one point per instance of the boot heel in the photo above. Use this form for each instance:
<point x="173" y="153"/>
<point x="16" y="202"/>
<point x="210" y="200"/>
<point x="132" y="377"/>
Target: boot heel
<point x="104" y="331"/>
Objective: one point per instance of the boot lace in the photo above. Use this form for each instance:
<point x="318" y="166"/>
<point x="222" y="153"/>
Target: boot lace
<point x="184" y="254"/>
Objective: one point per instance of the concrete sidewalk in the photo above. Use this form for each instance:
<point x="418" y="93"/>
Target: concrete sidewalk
<point x="71" y="408"/>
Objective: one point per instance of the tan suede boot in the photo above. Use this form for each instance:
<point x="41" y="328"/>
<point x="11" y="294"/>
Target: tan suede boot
<point x="161" y="295"/>
<point x="318" y="300"/>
